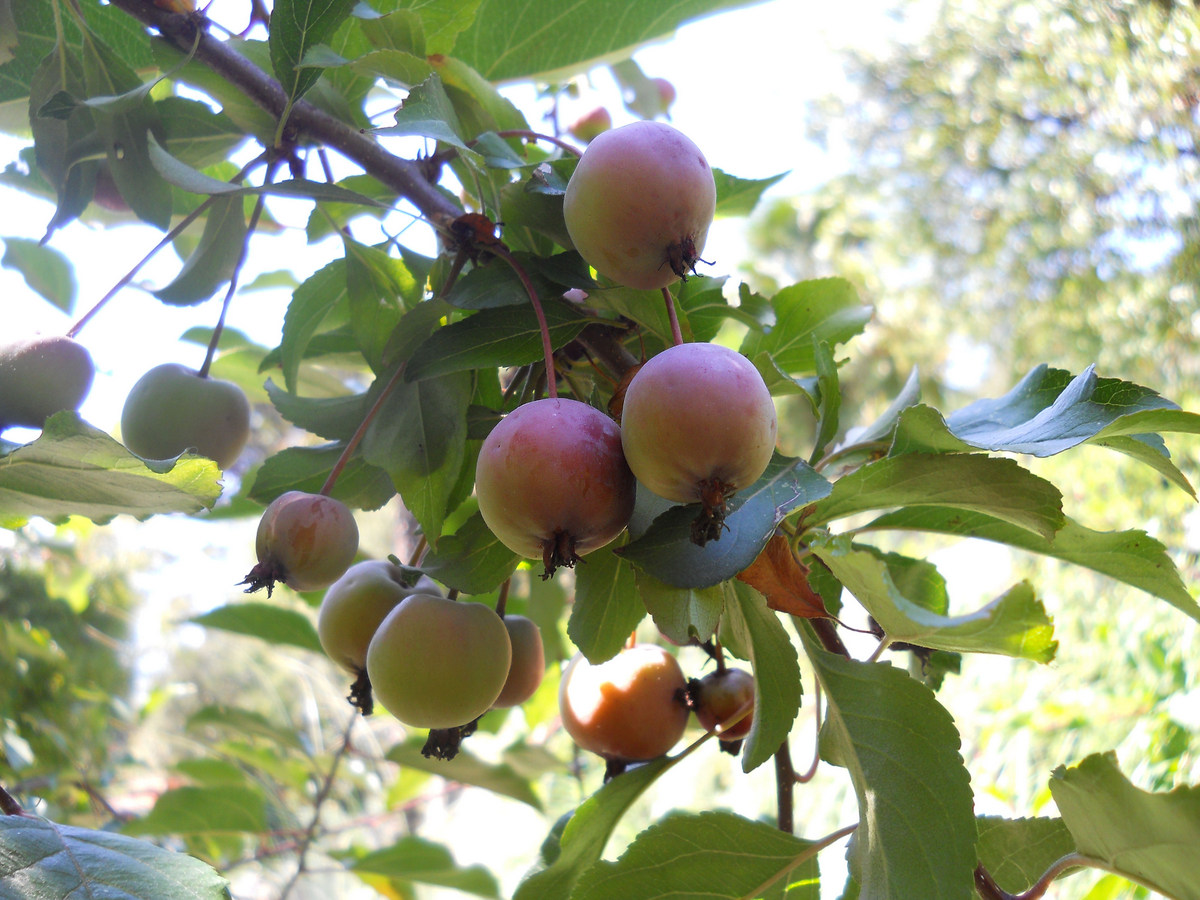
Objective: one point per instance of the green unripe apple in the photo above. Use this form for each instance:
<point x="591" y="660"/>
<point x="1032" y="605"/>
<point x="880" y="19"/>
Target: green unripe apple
<point x="439" y="663"/>
<point x="528" y="661"/>
<point x="355" y="605"/>
<point x="171" y="409"/>
<point x="639" y="204"/>
<point x="307" y="541"/>
<point x="40" y="375"/>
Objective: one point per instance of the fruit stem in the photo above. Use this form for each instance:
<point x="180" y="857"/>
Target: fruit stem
<point x="547" y="349"/>
<point x="167" y="238"/>
<point x="251" y="226"/>
<point x="785" y="787"/>
<point x="502" y="599"/>
<point x="352" y="444"/>
<point x="812" y="769"/>
<point x="538" y="136"/>
<point x="676" y="333"/>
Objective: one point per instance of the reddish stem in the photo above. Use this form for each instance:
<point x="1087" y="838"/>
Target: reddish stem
<point x="676" y="333"/>
<point x="547" y="349"/>
<point x="502" y="600"/>
<point x="537" y="136"/>
<point x="785" y="788"/>
<point x="353" y="443"/>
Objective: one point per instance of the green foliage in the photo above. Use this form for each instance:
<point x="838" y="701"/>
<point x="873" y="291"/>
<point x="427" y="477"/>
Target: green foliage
<point x="390" y="370"/>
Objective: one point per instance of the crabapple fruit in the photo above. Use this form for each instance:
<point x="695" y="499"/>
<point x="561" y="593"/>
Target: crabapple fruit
<point x="552" y="482"/>
<point x="307" y="541"/>
<point x="639" y="204"/>
<point x="698" y="424"/>
<point x="720" y="695"/>
<point x="629" y="708"/>
<point x="40" y="375"/>
<point x="172" y="409"/>
<point x="528" y="661"/>
<point x="439" y="663"/>
<point x="591" y="125"/>
<point x="355" y="604"/>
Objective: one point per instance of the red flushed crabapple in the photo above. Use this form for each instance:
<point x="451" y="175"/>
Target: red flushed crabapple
<point x="719" y="696"/>
<point x="698" y="424"/>
<point x="40" y="375"/>
<point x="305" y="541"/>
<point x="439" y="663"/>
<point x="639" y="204"/>
<point x="528" y="661"/>
<point x="629" y="708"/>
<point x="552" y="482"/>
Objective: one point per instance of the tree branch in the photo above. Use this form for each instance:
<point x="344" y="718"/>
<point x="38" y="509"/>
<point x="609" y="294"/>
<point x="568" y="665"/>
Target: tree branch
<point x="183" y="31"/>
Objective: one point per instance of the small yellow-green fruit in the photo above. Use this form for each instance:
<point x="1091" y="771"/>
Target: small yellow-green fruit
<point x="171" y="409"/>
<point x="354" y="606"/>
<point x="528" y="661"/>
<point x="439" y="663"/>
<point x="40" y="375"/>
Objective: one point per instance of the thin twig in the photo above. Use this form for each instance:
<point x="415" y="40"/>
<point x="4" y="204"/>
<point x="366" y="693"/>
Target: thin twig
<point x="785" y="788"/>
<point x="310" y="833"/>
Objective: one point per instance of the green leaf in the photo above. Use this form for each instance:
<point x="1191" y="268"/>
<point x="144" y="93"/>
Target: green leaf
<point x="43" y="859"/>
<point x="46" y="270"/>
<point x="428" y="112"/>
<point x="268" y="621"/>
<point x="711" y="855"/>
<point x="222" y="809"/>
<point x="419" y="438"/>
<point x="296" y="27"/>
<point x="360" y="484"/>
<point x="311" y="302"/>
<point x="75" y="469"/>
<point x="582" y="841"/>
<point x="195" y="134"/>
<point x="545" y="40"/>
<point x="682" y="614"/>
<point x="465" y="768"/>
<point x="506" y="336"/>
<point x="968" y="481"/>
<point x="215" y="258"/>
<point x="1014" y="624"/>
<point x="1132" y="557"/>
<point x="380" y="288"/>
<point x="245" y="724"/>
<point x="666" y="551"/>
<point x="124" y="134"/>
<point x="471" y="560"/>
<point x="738" y="196"/>
<point x="776" y="671"/>
<point x="825" y="309"/>
<point x="333" y="418"/>
<point x="606" y="607"/>
<point x="916" y="835"/>
<point x="1150" y="837"/>
<point x="1016" y="852"/>
<point x="416" y="860"/>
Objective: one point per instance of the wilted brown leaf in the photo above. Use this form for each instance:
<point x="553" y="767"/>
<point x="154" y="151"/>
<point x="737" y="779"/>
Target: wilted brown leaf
<point x="778" y="576"/>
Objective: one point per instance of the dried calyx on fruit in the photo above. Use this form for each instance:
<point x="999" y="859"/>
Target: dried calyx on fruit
<point x="697" y="424"/>
<point x="305" y="541"/>
<point x="552" y="481"/>
<point x="639" y="204"/>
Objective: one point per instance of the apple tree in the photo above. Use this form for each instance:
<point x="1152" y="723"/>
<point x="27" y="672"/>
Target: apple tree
<point x="625" y="561"/>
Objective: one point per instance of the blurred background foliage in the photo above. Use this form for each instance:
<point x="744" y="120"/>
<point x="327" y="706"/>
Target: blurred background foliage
<point x="1020" y="183"/>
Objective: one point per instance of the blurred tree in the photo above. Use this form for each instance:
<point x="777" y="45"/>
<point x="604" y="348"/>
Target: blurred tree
<point x="1020" y="184"/>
